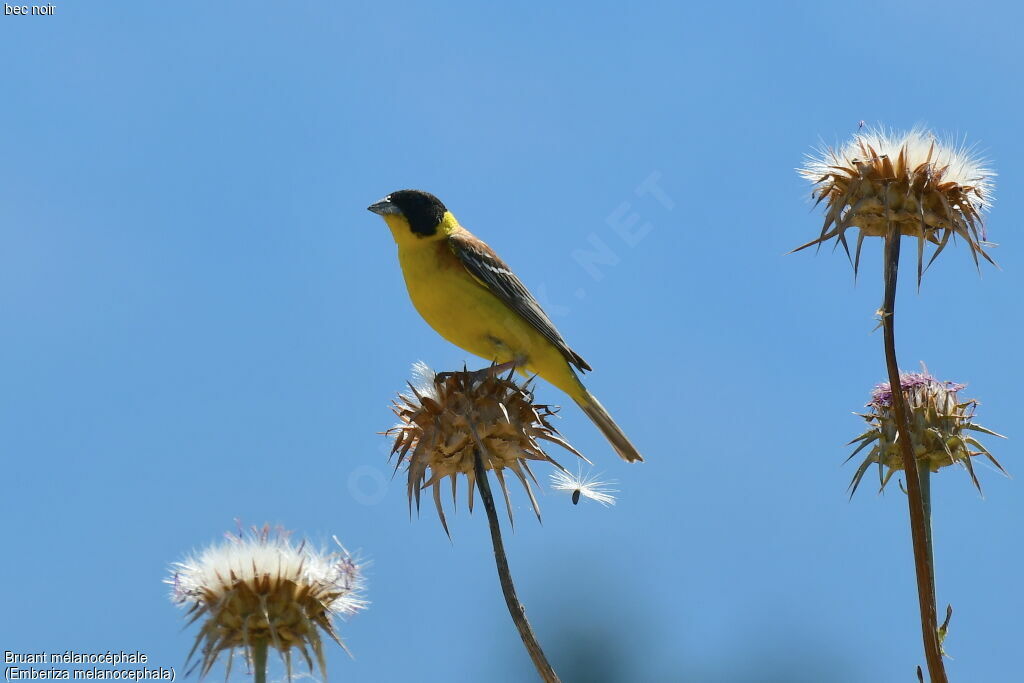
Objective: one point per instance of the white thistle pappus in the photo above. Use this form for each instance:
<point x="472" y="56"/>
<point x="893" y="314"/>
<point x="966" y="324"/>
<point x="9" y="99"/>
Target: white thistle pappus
<point x="585" y="486"/>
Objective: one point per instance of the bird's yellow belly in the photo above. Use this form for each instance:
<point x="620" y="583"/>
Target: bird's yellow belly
<point x="465" y="313"/>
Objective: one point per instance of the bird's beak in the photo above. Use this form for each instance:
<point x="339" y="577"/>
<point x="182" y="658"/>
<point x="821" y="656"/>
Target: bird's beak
<point x="383" y="208"/>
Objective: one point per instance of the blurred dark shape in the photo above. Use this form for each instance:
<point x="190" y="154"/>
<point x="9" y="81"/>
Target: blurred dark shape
<point x="586" y="645"/>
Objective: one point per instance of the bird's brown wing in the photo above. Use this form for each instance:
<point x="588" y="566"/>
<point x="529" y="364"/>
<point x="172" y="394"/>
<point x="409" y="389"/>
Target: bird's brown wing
<point x="490" y="271"/>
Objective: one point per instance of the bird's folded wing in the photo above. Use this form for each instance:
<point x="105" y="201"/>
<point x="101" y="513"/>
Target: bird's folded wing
<point x="489" y="270"/>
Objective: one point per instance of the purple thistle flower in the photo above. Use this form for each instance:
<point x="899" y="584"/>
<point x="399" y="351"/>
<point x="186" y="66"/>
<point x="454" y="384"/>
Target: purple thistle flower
<point x="881" y="395"/>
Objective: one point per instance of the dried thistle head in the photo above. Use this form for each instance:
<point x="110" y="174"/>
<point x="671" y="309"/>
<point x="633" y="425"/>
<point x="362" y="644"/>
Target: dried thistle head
<point x="449" y="417"/>
<point x="940" y="429"/>
<point x="920" y="186"/>
<point x="260" y="588"/>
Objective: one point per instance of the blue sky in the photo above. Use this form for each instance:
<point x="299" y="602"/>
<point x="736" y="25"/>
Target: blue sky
<point x="200" y="321"/>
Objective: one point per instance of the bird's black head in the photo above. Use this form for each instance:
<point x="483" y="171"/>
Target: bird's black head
<point x="423" y="211"/>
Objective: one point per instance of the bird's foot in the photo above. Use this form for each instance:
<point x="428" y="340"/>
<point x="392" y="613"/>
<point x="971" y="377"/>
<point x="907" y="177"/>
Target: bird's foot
<point x="491" y="370"/>
<point x="500" y="368"/>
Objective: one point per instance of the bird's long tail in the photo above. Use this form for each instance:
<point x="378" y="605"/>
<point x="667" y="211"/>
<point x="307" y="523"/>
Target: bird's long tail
<point x="616" y="437"/>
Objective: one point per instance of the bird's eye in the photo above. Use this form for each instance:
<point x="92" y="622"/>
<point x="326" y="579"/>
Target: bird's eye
<point x="388" y="198"/>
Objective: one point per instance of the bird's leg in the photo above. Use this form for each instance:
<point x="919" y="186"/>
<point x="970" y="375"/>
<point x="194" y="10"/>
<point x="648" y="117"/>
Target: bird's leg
<point x="493" y="370"/>
<point x="499" y="368"/>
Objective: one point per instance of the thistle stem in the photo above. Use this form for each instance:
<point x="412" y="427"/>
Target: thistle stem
<point x="515" y="608"/>
<point x="919" y="517"/>
<point x="926" y="501"/>
<point x="259" y="661"/>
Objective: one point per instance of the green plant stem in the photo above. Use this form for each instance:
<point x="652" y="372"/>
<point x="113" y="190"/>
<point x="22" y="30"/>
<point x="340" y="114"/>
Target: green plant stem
<point x="919" y="517"/>
<point x="515" y="608"/>
<point x="259" y="661"/>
